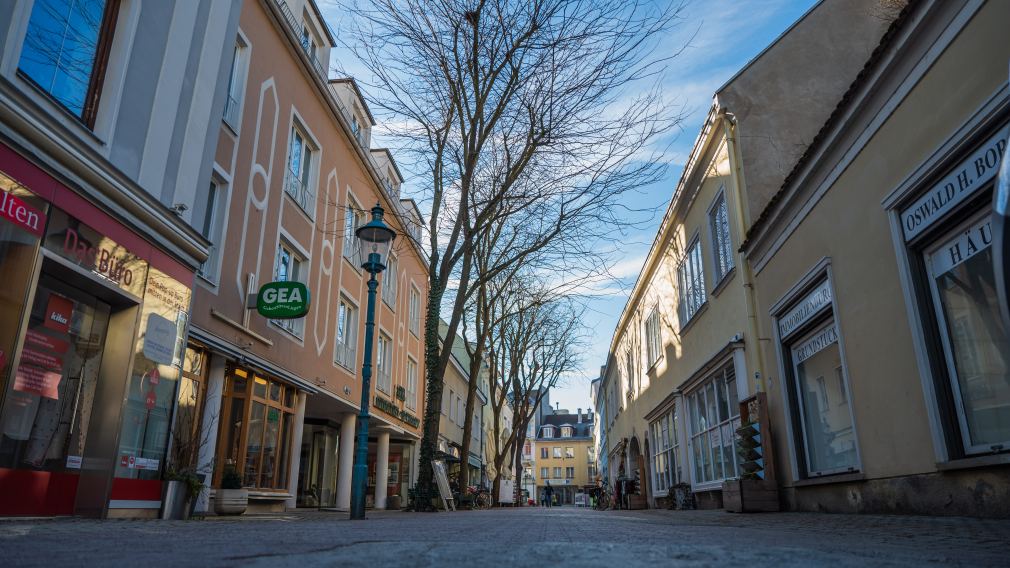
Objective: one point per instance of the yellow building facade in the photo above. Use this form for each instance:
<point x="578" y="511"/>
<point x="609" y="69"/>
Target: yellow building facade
<point x="563" y="456"/>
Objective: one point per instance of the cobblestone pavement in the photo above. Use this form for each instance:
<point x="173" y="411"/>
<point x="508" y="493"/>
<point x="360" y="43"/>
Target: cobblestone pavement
<point x="512" y="537"/>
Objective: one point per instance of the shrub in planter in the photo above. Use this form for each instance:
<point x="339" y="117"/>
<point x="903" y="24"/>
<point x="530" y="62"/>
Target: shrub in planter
<point x="231" y="498"/>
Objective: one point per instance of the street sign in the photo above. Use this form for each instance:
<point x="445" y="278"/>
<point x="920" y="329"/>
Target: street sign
<point x="283" y="300"/>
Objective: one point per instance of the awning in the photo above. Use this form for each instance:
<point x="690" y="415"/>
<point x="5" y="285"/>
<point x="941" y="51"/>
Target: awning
<point x="246" y="359"/>
<point x="475" y="461"/>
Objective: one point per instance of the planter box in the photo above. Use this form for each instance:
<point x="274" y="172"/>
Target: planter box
<point x="750" y="496"/>
<point x="231" y="501"/>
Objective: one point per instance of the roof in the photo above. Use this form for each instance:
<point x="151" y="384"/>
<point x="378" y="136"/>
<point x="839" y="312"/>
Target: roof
<point x="389" y="156"/>
<point x="833" y="119"/>
<point x="581" y="430"/>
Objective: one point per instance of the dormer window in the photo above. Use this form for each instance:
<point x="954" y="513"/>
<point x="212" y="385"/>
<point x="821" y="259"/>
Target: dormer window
<point x="566" y="431"/>
<point x="308" y="42"/>
<point x="356" y="129"/>
<point x="547" y="432"/>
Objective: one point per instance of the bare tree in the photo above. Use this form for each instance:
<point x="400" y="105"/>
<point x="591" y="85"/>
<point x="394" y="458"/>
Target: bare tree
<point x="543" y="109"/>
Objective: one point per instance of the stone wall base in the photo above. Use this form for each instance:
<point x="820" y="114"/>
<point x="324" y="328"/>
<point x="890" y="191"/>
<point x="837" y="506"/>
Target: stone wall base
<point x="982" y="492"/>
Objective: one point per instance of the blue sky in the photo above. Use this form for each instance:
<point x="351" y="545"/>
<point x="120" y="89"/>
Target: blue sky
<point x="721" y="37"/>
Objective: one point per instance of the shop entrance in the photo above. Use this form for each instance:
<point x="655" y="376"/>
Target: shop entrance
<point x="317" y="486"/>
<point x="49" y="401"/>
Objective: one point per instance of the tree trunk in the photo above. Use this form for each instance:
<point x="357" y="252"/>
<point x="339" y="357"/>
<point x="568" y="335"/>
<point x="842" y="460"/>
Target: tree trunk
<point x="433" y="401"/>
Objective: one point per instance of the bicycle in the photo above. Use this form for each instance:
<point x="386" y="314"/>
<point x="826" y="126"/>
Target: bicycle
<point x="603" y="499"/>
<point x="480" y="498"/>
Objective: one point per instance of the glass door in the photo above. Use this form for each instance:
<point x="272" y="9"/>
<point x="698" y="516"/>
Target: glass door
<point x="45" y="417"/>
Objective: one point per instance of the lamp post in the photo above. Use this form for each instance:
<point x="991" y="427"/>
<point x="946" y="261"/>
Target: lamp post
<point x="375" y="240"/>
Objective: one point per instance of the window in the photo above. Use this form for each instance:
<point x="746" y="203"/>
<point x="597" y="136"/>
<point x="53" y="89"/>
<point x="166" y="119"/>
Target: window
<point x="827" y="423"/>
<point x="691" y="280"/>
<point x="547" y="432"/>
<point x="715" y="416"/>
<point x="459" y="411"/>
<point x="590" y="454"/>
<point x="415" y="311"/>
<point x="290" y="268"/>
<point x="566" y="431"/>
<point x="308" y="42"/>
<point x="718" y="219"/>
<point x="411" y="384"/>
<point x="591" y="472"/>
<point x="346" y="341"/>
<point x="356" y="130"/>
<point x="389" y="277"/>
<point x="235" y="87"/>
<point x="66" y="50"/>
<point x="569" y="452"/>
<point x="543" y="473"/>
<point x="258" y="415"/>
<point x="557" y="473"/>
<point x="297" y="178"/>
<point x="208" y="218"/>
<point x="384" y="364"/>
<point x="629" y="365"/>
<point x="543" y="453"/>
<point x="569" y="473"/>
<point x="975" y="345"/>
<point x="446" y="397"/>
<point x="653" y="338"/>
<point x="354" y="217"/>
<point x="666" y="445"/>
<point x="556" y="450"/>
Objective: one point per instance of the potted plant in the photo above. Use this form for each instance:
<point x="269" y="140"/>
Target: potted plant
<point x="231" y="498"/>
<point x="181" y="491"/>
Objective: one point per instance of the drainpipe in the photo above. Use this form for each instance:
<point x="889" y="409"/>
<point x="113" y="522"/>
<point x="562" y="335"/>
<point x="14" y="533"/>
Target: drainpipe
<point x="742" y="222"/>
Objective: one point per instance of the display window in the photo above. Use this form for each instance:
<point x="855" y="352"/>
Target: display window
<point x="258" y="415"/>
<point x="715" y="417"/>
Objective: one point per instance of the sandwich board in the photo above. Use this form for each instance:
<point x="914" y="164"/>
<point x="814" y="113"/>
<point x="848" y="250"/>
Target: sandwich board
<point x="443" y="485"/>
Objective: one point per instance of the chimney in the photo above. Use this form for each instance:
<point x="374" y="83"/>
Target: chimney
<point x="580" y="416"/>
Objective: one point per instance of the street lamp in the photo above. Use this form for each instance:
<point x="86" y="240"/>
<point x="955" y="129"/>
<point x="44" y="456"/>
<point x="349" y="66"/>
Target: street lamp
<point x="375" y="239"/>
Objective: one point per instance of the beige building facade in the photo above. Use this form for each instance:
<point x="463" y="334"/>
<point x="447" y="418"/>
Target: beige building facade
<point x="686" y="348"/>
<point x="294" y="176"/>
<point x="888" y="367"/>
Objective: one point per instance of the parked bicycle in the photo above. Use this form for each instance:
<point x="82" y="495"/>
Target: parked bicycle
<point x="604" y="500"/>
<point x="480" y="498"/>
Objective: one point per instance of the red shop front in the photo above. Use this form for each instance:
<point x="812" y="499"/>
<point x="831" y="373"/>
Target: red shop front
<point x="92" y="332"/>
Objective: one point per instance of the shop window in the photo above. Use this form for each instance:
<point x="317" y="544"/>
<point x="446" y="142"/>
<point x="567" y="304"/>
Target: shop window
<point x="384" y="364"/>
<point x="976" y="344"/>
<point x="415" y="311"/>
<point x="653" y="337"/>
<point x="257" y="418"/>
<point x="354" y="217"/>
<point x="298" y="181"/>
<point x="389" y="277"/>
<point x="691" y="283"/>
<point x="715" y="416"/>
<point x="722" y="245"/>
<point x="346" y="341"/>
<point x="290" y="268"/>
<point x="665" y="457"/>
<point x="66" y="50"/>
<point x="187" y="437"/>
<point x="411" y="401"/>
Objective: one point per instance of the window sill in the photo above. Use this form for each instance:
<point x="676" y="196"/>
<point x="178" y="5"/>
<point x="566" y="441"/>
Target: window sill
<point x="974" y="461"/>
<point x="308" y="216"/>
<point x="289" y="333"/>
<point x="391" y="305"/>
<point x="340" y="365"/>
<point x="726" y="278"/>
<point x="829" y="479"/>
<point x="654" y="364"/>
<point x="695" y="317"/>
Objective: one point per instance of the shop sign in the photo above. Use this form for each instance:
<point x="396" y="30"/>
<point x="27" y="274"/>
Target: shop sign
<point x="971" y="241"/>
<point x="17" y="211"/>
<point x="811" y="304"/>
<point x="93" y="251"/>
<point x="959" y="185"/>
<point x="160" y="339"/>
<point x="827" y="337"/>
<point x="283" y="300"/>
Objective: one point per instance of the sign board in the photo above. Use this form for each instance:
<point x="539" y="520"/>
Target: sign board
<point x="448" y="501"/>
<point x="160" y="339"/>
<point x="807" y="308"/>
<point x="507" y="491"/>
<point x="283" y="300"/>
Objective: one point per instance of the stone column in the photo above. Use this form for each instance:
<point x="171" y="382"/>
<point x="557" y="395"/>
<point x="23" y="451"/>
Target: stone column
<point x="382" y="470"/>
<point x="209" y="428"/>
<point x="295" y="452"/>
<point x="346" y="461"/>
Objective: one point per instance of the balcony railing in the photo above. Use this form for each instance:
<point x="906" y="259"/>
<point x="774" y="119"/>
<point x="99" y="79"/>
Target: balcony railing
<point x="231" y="112"/>
<point x="292" y="22"/>
<point x="345" y="356"/>
<point x="299" y="190"/>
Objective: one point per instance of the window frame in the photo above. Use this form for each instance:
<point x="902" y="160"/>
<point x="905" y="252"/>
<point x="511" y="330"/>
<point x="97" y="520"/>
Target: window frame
<point x="384" y="362"/>
<point x="414" y="311"/>
<point x="692" y="295"/>
<point x="666" y="446"/>
<point x="210" y="269"/>
<point x="350" y="351"/>
<point x="305" y="181"/>
<point x="390" y="282"/>
<point x="411" y="387"/>
<point x="716" y="379"/>
<point x="293" y="326"/>
<point x="719" y="246"/>
<point x="653" y="337"/>
<point x="350" y="246"/>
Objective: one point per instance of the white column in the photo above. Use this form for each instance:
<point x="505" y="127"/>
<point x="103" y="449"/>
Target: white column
<point x="295" y="452"/>
<point x="346" y="461"/>
<point x="382" y="470"/>
<point x="209" y="429"/>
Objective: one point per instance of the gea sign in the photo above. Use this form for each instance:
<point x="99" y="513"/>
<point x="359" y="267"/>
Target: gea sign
<point x="283" y="300"/>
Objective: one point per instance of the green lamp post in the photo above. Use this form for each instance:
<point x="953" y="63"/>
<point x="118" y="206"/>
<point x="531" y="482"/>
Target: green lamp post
<point x="375" y="239"/>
